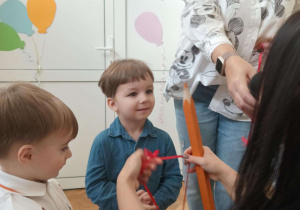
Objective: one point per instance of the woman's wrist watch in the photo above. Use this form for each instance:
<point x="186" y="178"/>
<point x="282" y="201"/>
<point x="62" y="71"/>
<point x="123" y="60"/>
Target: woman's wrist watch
<point x="220" y="64"/>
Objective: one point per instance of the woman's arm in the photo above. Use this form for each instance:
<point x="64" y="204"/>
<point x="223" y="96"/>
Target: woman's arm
<point x="126" y="193"/>
<point x="204" y="26"/>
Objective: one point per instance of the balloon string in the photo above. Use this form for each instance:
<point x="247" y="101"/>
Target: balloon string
<point x="36" y="50"/>
<point x="27" y="54"/>
<point x="163" y="59"/>
<point x="43" y="46"/>
<point x="161" y="89"/>
<point x="39" y="68"/>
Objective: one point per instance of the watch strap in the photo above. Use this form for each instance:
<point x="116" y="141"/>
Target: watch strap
<point x="225" y="56"/>
<point x="228" y="55"/>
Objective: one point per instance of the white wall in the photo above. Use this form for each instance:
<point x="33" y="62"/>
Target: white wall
<point x="72" y="66"/>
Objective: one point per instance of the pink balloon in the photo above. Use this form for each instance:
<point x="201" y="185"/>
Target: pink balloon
<point x="149" y="27"/>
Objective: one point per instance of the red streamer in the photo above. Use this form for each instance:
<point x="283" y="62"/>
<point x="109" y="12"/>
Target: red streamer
<point x="261" y="51"/>
<point x="259" y="61"/>
<point x="171" y="157"/>
<point x="151" y="196"/>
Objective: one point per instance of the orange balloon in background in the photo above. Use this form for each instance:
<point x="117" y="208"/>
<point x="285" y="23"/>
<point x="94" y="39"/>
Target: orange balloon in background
<point x="41" y="13"/>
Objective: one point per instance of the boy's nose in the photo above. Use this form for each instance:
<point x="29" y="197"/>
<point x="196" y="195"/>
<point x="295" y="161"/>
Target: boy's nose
<point x="143" y="98"/>
<point x="69" y="154"/>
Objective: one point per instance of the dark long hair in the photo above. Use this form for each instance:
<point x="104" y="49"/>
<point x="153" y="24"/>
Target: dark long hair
<point x="269" y="175"/>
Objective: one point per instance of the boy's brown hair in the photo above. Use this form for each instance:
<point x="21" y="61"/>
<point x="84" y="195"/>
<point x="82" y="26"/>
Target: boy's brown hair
<point x="28" y="114"/>
<point x="121" y="72"/>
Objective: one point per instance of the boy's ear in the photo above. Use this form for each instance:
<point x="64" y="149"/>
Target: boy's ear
<point x="112" y="104"/>
<point x="25" y="154"/>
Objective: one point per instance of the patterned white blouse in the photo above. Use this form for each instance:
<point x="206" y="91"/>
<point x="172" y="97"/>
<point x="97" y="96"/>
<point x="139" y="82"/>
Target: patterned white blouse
<point x="209" y="23"/>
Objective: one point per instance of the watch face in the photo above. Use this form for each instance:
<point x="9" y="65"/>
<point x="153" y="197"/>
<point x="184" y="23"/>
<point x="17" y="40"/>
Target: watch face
<point x="219" y="65"/>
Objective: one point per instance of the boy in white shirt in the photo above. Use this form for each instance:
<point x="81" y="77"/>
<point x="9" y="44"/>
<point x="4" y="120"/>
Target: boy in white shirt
<point x="35" y="130"/>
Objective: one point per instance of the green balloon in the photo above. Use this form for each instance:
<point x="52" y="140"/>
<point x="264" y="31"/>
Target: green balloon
<point x="9" y="38"/>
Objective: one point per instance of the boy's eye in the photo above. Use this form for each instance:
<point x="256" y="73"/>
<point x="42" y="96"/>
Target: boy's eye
<point x="149" y="91"/>
<point x="133" y="94"/>
<point x="65" y="148"/>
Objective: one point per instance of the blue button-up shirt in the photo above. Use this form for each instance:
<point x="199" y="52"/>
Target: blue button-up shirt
<point x="109" y="152"/>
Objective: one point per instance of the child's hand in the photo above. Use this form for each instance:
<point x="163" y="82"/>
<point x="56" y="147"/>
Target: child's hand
<point x="146" y="200"/>
<point x="209" y="162"/>
<point x="150" y="207"/>
<point x="144" y="197"/>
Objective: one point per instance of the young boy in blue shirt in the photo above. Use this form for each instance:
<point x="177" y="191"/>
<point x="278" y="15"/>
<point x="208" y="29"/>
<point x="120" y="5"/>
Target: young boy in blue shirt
<point x="128" y="86"/>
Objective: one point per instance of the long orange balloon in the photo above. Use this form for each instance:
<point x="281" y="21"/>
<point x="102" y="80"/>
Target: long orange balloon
<point x="197" y="148"/>
<point x="41" y="13"/>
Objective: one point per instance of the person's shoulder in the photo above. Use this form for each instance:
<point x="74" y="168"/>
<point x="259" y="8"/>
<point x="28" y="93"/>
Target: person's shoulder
<point x="15" y="201"/>
<point x="102" y="136"/>
<point x="102" y="140"/>
<point x="103" y="133"/>
<point x="113" y="130"/>
<point x="161" y="134"/>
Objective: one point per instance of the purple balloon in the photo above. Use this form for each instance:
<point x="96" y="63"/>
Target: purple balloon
<point x="149" y="27"/>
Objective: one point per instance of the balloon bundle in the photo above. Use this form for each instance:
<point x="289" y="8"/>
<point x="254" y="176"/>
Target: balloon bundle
<point x="16" y="18"/>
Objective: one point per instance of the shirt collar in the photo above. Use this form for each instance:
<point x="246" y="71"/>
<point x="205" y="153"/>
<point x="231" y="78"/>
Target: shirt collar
<point x="117" y="129"/>
<point x="22" y="186"/>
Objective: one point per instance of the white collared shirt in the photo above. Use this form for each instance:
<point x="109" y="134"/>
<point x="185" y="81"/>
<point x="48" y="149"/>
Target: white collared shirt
<point x="21" y="194"/>
<point x="209" y="23"/>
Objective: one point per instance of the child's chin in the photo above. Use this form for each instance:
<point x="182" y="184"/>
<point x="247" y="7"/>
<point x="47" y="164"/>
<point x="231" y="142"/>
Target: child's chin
<point x="41" y="180"/>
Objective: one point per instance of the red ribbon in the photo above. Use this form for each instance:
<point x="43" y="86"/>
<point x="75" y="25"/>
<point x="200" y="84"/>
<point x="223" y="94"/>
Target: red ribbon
<point x="151" y="196"/>
<point x="260" y="50"/>
<point x="259" y="61"/>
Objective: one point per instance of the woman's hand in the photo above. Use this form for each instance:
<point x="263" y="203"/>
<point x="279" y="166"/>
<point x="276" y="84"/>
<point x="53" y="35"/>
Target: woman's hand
<point x="132" y="168"/>
<point x="238" y="74"/>
<point x="209" y="162"/>
<point x="216" y="168"/>
<point x="129" y="179"/>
